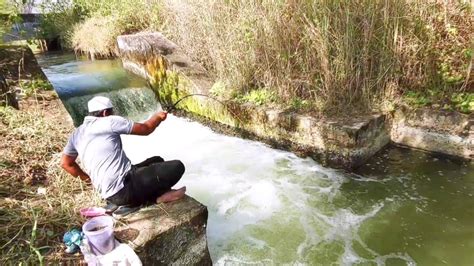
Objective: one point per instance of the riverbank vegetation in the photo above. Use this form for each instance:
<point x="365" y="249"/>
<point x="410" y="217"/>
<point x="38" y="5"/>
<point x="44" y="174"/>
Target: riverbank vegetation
<point x="39" y="202"/>
<point x="20" y="75"/>
<point x="328" y="56"/>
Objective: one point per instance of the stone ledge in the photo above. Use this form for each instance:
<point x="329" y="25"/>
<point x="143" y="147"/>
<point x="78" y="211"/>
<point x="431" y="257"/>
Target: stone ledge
<point x="171" y="233"/>
<point x="444" y="132"/>
<point x="454" y="123"/>
<point x="344" y="143"/>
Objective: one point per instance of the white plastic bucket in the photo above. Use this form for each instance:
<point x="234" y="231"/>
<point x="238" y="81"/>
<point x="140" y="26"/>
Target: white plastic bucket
<point x="100" y="234"/>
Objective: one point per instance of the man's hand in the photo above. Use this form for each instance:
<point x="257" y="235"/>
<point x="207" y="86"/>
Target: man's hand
<point x="69" y="164"/>
<point x="149" y="125"/>
<point x="162" y="115"/>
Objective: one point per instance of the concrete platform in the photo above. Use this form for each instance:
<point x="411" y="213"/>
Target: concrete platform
<point x="171" y="233"/>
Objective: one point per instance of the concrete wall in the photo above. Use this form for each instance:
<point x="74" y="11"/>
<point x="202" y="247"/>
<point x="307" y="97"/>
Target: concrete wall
<point x="444" y="132"/>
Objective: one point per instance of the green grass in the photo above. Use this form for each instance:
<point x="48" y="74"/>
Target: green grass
<point x="258" y="97"/>
<point x="32" y="86"/>
<point x="458" y="101"/>
<point x="39" y="201"/>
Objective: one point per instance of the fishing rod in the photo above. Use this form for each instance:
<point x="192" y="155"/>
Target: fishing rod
<point x="173" y="106"/>
<point x="170" y="108"/>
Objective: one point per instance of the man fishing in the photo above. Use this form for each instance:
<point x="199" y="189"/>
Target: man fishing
<point x="98" y="145"/>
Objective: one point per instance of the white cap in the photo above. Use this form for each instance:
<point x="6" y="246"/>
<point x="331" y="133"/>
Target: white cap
<point x="99" y="103"/>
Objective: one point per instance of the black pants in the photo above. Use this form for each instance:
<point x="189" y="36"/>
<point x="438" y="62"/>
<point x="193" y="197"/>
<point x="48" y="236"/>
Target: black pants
<point x="148" y="180"/>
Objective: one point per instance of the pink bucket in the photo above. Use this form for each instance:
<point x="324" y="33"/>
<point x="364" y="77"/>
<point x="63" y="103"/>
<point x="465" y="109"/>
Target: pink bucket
<point x="100" y="234"/>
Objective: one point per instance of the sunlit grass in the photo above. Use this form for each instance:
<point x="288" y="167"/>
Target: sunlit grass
<point x="39" y="201"/>
<point x="339" y="56"/>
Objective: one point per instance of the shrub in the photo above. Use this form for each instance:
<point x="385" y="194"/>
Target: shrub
<point x="96" y="36"/>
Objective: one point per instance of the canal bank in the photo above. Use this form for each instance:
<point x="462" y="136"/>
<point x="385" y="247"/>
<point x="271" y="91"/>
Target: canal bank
<point x="20" y="74"/>
<point x="342" y="142"/>
<point x="270" y="206"/>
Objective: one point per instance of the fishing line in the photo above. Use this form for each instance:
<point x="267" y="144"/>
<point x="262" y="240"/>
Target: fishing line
<point x="170" y="108"/>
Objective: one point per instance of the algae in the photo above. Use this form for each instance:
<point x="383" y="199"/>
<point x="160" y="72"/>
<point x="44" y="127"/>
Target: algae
<point x="170" y="86"/>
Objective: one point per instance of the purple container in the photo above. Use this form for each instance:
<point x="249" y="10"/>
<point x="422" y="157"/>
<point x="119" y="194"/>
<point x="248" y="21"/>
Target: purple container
<point x="100" y="234"/>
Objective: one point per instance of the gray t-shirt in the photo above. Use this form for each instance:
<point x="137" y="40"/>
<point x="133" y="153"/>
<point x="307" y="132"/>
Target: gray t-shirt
<point x="99" y="147"/>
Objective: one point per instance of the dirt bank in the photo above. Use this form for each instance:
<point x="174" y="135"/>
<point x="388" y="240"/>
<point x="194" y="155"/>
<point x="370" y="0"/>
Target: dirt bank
<point x="39" y="201"/>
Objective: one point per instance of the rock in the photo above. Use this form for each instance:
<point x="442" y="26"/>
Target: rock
<point x="171" y="233"/>
<point x="136" y="50"/>
<point x="140" y="46"/>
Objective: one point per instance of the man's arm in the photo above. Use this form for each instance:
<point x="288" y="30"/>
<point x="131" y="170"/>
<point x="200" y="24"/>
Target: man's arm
<point x="69" y="164"/>
<point x="149" y="125"/>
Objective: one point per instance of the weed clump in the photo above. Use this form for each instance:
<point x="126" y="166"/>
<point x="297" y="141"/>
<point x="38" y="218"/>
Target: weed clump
<point x="97" y="34"/>
<point x="86" y="39"/>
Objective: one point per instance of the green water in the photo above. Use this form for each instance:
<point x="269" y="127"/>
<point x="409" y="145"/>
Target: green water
<point x="268" y="206"/>
<point x="429" y="206"/>
<point x="403" y="207"/>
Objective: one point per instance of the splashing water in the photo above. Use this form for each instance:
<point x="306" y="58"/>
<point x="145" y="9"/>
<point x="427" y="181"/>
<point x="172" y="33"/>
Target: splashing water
<point x="265" y="205"/>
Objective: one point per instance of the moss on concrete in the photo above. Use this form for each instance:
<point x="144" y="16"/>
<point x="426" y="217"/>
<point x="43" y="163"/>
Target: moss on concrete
<point x="170" y="87"/>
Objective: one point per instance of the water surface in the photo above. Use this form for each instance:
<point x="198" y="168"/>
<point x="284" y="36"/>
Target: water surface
<point x="268" y="206"/>
<point x="77" y="80"/>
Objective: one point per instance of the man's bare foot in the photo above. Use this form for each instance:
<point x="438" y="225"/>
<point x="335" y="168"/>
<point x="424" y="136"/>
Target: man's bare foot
<point x="172" y="195"/>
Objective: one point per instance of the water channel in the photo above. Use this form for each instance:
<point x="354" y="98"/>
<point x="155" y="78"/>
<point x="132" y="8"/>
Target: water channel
<point x="268" y="206"/>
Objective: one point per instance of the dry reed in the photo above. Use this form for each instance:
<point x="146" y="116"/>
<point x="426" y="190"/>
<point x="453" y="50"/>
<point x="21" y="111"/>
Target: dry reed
<point x="339" y="54"/>
<point x="97" y="35"/>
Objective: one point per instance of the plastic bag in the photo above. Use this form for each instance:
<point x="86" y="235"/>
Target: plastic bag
<point x="121" y="255"/>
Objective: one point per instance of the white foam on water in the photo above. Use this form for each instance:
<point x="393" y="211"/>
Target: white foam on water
<point x="246" y="183"/>
<point x="229" y="175"/>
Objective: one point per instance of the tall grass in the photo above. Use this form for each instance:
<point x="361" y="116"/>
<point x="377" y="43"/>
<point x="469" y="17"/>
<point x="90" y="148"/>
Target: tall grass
<point x="339" y="54"/>
<point x="97" y="35"/>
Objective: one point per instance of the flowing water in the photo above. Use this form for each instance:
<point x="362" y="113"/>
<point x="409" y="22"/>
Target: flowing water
<point x="76" y="81"/>
<point x="268" y="206"/>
